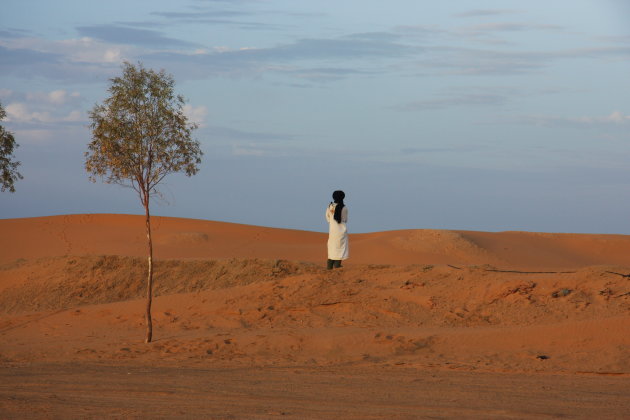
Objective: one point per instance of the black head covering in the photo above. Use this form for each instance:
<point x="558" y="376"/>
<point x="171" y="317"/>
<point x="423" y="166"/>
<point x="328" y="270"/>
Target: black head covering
<point x="338" y="197"/>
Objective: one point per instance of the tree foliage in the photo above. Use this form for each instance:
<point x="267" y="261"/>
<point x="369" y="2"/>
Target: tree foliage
<point x="8" y="167"/>
<point x="139" y="135"/>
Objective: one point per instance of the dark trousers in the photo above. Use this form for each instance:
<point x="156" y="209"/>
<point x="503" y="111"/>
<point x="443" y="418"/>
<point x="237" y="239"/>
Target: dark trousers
<point x="330" y="264"/>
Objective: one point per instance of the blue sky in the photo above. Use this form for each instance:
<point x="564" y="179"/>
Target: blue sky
<point x="476" y="115"/>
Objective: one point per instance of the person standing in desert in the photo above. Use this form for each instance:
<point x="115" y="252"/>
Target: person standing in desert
<point x="337" y="217"/>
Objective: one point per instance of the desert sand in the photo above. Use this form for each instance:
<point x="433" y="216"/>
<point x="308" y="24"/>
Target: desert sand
<point x="249" y="324"/>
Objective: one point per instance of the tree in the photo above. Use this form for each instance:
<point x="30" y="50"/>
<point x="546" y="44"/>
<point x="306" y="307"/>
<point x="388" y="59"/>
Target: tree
<point x="139" y="135"/>
<point x="8" y="168"/>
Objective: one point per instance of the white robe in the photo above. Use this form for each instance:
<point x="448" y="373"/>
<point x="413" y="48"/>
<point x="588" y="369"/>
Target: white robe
<point x="337" y="234"/>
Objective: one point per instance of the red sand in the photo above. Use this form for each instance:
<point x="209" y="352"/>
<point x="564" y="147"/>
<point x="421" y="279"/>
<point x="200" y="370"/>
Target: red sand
<point x="489" y="311"/>
<point x="185" y="238"/>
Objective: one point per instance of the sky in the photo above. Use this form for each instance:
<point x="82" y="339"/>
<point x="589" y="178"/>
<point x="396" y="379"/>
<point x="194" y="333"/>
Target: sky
<point x="469" y="115"/>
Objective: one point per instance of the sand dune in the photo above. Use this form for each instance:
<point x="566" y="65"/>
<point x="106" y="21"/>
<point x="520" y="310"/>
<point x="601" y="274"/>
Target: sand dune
<point x="405" y="295"/>
<point x="174" y="238"/>
<point x="234" y="296"/>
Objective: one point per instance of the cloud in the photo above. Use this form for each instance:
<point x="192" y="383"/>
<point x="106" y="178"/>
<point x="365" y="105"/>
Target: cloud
<point x="12" y="57"/>
<point x="21" y="113"/>
<point x="60" y="96"/>
<point x="468" y="61"/>
<point x="485" y="28"/>
<point x="485" y="12"/>
<point x="474" y="99"/>
<point x="227" y="1"/>
<point x="404" y="49"/>
<point x="5" y="93"/>
<point x="319" y="74"/>
<point x="453" y="149"/>
<point x="213" y="15"/>
<point x="36" y="127"/>
<point x="476" y="96"/>
<point x="13" y="33"/>
<point x="196" y="115"/>
<point x="625" y="39"/>
<point x="600" y="52"/>
<point x="617" y="118"/>
<point x="424" y="31"/>
<point x="75" y="116"/>
<point x="37" y="110"/>
<point x="76" y="60"/>
<point x="291" y="58"/>
<point x="31" y="51"/>
<point x="365" y="53"/>
<point x="85" y="50"/>
<point x="353" y="46"/>
<point x="614" y="119"/>
<point x="364" y="45"/>
<point x="141" y="24"/>
<point x="424" y="150"/>
<point x="475" y="61"/>
<point x="56" y="97"/>
<point x="248" y="150"/>
<point x="240" y="142"/>
<point x="201" y="15"/>
<point x="497" y="33"/>
<point x="237" y="136"/>
<point x="119" y="34"/>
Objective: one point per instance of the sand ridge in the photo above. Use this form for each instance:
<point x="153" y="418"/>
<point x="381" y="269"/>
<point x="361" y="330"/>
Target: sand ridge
<point x="275" y="312"/>
<point x="106" y="234"/>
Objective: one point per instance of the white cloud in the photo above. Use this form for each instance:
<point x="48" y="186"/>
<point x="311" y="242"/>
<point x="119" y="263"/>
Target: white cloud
<point x="19" y="112"/>
<point x="90" y="50"/>
<point x="112" y="55"/>
<point x="75" y="116"/>
<point x="55" y="97"/>
<point x="80" y="50"/>
<point x="15" y="111"/>
<point x="32" y="109"/>
<point x="196" y="115"/>
<point x="616" y="118"/>
<point x="508" y="27"/>
<point x="22" y="113"/>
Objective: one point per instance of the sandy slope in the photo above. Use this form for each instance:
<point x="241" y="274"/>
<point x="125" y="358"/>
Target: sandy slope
<point x="185" y="238"/>
<point x="263" y="312"/>
<point x="235" y="296"/>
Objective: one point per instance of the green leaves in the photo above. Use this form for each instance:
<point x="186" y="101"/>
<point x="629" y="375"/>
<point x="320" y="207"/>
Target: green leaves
<point x="8" y="167"/>
<point x="140" y="133"/>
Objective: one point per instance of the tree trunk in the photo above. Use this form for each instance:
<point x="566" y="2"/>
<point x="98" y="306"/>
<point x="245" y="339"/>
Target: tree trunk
<point x="150" y="275"/>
